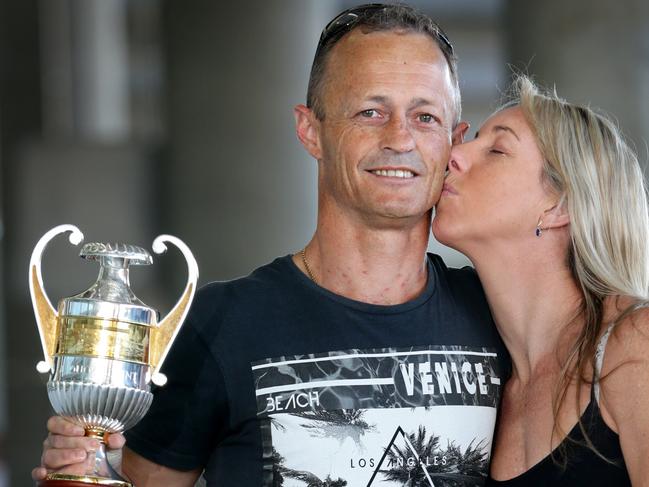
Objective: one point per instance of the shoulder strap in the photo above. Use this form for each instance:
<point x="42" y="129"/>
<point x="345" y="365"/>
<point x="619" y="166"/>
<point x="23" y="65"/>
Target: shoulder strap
<point x="599" y="359"/>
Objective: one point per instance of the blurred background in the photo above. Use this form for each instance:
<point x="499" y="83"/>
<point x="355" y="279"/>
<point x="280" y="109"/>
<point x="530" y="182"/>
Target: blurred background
<point x="131" y="118"/>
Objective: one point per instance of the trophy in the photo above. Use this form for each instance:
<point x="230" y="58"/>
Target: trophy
<point x="104" y="347"/>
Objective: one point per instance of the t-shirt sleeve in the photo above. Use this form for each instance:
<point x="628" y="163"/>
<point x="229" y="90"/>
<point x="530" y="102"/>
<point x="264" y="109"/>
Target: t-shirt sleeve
<point x="189" y="414"/>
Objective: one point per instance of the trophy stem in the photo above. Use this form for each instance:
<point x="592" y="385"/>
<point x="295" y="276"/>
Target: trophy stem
<point x="99" y="472"/>
<point x="97" y="434"/>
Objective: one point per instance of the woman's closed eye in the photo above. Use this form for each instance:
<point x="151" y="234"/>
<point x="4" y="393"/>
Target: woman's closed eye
<point x="497" y="151"/>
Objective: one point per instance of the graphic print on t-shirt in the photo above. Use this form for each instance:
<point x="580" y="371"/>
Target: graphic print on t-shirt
<point x="380" y="417"/>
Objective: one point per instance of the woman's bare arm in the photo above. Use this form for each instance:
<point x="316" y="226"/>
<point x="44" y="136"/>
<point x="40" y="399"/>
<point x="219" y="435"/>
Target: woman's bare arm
<point x="625" y="392"/>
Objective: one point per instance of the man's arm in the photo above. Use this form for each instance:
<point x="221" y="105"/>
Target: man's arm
<point x="145" y="473"/>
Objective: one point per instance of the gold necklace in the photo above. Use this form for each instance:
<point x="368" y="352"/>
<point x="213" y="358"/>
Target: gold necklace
<point x="307" y="266"/>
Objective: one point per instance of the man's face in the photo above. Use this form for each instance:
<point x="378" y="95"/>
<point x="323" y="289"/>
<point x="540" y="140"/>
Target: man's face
<point x="386" y="135"/>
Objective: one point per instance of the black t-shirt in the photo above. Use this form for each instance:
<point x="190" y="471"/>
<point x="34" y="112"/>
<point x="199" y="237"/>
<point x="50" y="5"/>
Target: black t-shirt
<point x="275" y="381"/>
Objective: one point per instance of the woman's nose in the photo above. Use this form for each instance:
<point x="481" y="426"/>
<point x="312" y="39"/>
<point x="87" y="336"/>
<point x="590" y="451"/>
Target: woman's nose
<point x="458" y="161"/>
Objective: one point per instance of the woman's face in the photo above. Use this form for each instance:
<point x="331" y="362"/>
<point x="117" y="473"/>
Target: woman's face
<point x="493" y="192"/>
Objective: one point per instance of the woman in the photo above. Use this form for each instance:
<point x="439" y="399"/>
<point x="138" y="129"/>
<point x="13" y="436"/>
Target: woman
<point x="548" y="203"/>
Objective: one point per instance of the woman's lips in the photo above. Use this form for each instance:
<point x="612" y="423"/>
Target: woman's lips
<point x="448" y="189"/>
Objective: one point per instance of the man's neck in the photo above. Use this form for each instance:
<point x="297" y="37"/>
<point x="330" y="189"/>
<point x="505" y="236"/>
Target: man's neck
<point x="374" y="265"/>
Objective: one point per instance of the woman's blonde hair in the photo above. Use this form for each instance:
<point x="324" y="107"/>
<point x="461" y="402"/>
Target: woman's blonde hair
<point x="599" y="181"/>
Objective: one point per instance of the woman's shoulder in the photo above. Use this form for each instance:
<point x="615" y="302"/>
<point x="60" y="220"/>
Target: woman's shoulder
<point x="624" y="400"/>
<point x="625" y="365"/>
<point x="627" y="318"/>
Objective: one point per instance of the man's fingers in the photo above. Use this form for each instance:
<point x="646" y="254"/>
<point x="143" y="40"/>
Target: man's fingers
<point x="66" y="450"/>
<point x="55" y="459"/>
<point x="115" y="441"/>
<point x="68" y="442"/>
<point x="39" y="473"/>
<point x="81" y="469"/>
<point x="64" y="442"/>
<point x="61" y="426"/>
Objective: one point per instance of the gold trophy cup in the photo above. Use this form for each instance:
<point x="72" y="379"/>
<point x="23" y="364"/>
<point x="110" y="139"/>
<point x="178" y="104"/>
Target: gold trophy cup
<point x="103" y="347"/>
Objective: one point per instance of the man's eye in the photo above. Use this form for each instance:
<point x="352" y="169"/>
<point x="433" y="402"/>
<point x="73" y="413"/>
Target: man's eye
<point x="496" y="151"/>
<point x="370" y="113"/>
<point x="426" y="118"/>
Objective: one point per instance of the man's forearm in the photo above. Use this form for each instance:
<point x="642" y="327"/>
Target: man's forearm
<point x="145" y="473"/>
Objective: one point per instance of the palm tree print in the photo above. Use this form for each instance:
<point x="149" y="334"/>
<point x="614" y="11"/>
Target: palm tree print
<point x="472" y="462"/>
<point x="310" y="480"/>
<point x="280" y="471"/>
<point x="339" y="423"/>
<point x="421" y="462"/>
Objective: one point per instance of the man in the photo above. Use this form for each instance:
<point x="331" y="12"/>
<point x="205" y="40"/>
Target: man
<point x="359" y="360"/>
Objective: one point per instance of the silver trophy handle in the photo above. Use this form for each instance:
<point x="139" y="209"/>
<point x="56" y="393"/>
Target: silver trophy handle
<point x="165" y="333"/>
<point x="45" y="313"/>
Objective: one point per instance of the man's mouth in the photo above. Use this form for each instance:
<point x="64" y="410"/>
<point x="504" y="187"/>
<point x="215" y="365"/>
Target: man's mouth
<point x="394" y="173"/>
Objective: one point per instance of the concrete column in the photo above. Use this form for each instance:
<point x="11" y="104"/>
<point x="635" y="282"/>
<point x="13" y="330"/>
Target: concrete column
<point x="240" y="188"/>
<point x="595" y="51"/>
<point x="56" y="62"/>
<point x="100" y="50"/>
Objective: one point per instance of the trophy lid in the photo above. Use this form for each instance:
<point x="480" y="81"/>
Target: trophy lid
<point x="132" y="254"/>
<point x="111" y="296"/>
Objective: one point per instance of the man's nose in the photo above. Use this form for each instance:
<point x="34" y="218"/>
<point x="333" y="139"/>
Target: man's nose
<point x="397" y="136"/>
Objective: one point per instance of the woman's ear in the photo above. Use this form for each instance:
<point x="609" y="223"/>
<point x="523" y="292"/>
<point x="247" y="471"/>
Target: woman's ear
<point x="307" y="129"/>
<point x="556" y="216"/>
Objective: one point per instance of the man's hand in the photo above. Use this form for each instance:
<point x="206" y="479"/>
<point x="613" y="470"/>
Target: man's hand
<point x="66" y="449"/>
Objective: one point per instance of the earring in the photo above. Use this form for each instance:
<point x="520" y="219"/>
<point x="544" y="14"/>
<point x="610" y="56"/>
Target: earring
<point x="539" y="230"/>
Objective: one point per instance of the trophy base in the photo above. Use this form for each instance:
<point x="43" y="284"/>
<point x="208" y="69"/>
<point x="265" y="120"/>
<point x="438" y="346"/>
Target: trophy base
<point x="60" y="480"/>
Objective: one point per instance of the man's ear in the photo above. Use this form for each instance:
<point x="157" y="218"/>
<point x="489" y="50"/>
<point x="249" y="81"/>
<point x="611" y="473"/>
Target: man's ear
<point x="307" y="128"/>
<point x="457" y="137"/>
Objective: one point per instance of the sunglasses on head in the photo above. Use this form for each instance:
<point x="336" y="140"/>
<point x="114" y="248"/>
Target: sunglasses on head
<point x="347" y="20"/>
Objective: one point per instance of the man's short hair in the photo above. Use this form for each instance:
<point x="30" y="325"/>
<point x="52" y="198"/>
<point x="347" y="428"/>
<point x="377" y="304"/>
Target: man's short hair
<point x="376" y="17"/>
